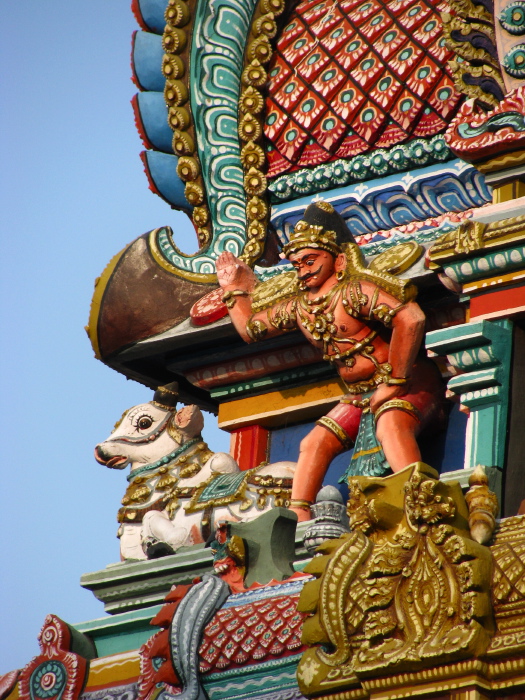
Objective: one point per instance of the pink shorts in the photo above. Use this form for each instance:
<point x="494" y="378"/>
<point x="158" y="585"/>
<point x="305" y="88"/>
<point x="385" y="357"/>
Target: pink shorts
<point x="425" y="394"/>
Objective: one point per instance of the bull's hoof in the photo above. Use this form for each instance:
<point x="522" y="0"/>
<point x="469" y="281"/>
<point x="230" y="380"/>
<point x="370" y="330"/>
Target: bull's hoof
<point x="155" y="549"/>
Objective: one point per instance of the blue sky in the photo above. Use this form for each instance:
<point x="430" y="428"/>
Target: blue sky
<point x="72" y="194"/>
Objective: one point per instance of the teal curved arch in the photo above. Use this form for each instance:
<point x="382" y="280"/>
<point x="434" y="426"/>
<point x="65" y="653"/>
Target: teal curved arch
<point x="221" y="28"/>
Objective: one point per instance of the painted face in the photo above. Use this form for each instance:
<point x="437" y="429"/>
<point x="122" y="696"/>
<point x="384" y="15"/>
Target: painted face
<point x="313" y="266"/>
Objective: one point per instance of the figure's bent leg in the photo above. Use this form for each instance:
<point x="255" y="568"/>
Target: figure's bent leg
<point x="316" y="452"/>
<point x="396" y="431"/>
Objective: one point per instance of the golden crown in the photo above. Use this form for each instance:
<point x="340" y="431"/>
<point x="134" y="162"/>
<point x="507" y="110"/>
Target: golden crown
<point x="307" y="235"/>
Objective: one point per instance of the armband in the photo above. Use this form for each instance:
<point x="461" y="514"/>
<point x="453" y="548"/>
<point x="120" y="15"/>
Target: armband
<point x="256" y="330"/>
<point x="298" y="503"/>
<point x="396" y="381"/>
<point x="398" y="405"/>
<point x="384" y="313"/>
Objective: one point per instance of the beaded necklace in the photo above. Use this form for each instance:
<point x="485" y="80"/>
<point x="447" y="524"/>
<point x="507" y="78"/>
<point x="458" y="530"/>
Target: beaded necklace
<point x="323" y="328"/>
<point x="164" y="460"/>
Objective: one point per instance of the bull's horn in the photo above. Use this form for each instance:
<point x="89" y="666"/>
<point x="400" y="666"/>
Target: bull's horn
<point x="166" y="396"/>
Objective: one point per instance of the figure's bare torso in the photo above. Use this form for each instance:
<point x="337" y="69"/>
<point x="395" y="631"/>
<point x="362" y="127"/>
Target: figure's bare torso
<point x="348" y="329"/>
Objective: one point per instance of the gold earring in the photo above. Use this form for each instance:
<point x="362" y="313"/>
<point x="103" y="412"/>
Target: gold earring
<point x="340" y="275"/>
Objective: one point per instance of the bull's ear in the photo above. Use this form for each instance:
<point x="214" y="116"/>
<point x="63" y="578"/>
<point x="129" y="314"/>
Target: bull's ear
<point x="189" y="419"/>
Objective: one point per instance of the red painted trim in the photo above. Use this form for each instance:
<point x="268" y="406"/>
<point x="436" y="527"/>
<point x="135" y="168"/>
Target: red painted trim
<point x="135" y="8"/>
<point x="151" y="181"/>
<point x="503" y="301"/>
<point x="249" y="446"/>
<point x="140" y="124"/>
<point x="134" y="76"/>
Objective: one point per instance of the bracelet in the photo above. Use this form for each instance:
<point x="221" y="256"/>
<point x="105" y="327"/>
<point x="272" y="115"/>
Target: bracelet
<point x="228" y="298"/>
<point x="396" y="381"/>
<point x="298" y="503"/>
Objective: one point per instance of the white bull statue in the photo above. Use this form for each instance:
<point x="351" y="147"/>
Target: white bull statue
<point x="178" y="489"/>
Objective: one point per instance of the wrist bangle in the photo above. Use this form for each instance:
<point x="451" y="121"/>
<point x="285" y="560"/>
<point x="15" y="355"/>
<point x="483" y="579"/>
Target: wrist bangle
<point x="396" y="381"/>
<point x="228" y="298"/>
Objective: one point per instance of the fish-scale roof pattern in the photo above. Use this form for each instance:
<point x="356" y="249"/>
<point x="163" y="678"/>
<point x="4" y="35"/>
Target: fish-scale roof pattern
<point x="252" y="633"/>
<point x="348" y="76"/>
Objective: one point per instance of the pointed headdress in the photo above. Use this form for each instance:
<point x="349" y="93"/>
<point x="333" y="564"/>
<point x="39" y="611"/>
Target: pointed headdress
<point x="321" y="227"/>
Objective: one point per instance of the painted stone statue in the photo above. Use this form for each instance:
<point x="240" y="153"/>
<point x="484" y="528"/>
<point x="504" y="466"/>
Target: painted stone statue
<point x="369" y="327"/>
<point x="178" y="488"/>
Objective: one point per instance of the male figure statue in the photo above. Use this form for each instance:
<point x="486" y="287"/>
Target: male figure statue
<point x="370" y="334"/>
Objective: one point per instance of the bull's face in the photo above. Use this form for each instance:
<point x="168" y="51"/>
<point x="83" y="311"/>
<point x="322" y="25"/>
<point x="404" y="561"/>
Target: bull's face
<point x="147" y="433"/>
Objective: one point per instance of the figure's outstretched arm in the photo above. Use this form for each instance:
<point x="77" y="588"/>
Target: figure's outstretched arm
<point x="238" y="282"/>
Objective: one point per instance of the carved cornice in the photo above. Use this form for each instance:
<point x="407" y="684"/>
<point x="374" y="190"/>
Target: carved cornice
<point x="378" y="163"/>
<point x="472" y="237"/>
<point x="481" y="354"/>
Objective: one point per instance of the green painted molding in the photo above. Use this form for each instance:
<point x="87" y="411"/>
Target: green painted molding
<point x="481" y="351"/>
<point x="116" y="634"/>
<point x="253" y="681"/>
<point x="497" y="263"/>
<point x="130" y="587"/>
<point x="309" y="374"/>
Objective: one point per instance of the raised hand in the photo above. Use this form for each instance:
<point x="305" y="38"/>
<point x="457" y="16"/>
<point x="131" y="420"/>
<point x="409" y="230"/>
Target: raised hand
<point x="233" y="273"/>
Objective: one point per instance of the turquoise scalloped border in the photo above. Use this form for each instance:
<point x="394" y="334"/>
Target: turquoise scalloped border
<point x="378" y="163"/>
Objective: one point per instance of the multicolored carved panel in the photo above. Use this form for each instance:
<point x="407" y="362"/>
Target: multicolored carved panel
<point x="499" y="135"/>
<point x="57" y="673"/>
<point x="351" y="75"/>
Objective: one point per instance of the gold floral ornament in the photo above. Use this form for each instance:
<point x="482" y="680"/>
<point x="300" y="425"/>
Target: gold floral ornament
<point x="251" y="106"/>
<point x="177" y="13"/>
<point x="182" y="144"/>
<point x="405" y="590"/>
<point x="251" y="101"/>
<point x="254" y="182"/>
<point x="194" y="193"/>
<point x="252" y="156"/>
<point x="188" y="169"/>
<point x="179" y="118"/>
<point x="174" y="67"/>
<point x="175" y="92"/>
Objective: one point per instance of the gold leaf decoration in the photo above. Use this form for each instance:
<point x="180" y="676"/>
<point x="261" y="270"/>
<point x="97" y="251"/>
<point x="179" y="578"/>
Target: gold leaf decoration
<point x="411" y="592"/>
<point x="178" y="17"/>
<point x="251" y="104"/>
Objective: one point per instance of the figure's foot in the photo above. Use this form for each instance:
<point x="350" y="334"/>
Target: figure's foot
<point x="154" y="549"/>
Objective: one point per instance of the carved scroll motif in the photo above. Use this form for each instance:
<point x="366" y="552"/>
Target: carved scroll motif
<point x="413" y="591"/>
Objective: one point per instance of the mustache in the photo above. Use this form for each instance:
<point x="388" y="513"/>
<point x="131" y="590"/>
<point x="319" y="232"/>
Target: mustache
<point x="310" y="274"/>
